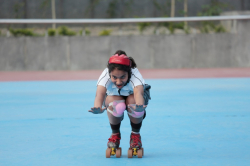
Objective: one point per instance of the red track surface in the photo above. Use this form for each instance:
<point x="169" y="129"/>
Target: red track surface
<point x="147" y="74"/>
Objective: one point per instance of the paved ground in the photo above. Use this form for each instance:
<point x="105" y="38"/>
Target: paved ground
<point x="190" y="121"/>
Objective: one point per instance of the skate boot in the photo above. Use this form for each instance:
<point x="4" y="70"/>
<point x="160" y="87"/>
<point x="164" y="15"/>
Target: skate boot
<point x="113" y="146"/>
<point x="135" y="146"/>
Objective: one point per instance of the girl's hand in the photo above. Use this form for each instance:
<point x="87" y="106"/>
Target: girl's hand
<point x="137" y="108"/>
<point x="97" y="110"/>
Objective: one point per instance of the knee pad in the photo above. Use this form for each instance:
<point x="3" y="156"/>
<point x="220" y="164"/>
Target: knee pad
<point x="119" y="107"/>
<point x="134" y="113"/>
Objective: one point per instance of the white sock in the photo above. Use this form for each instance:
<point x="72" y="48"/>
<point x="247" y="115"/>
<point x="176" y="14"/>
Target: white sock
<point x="135" y="132"/>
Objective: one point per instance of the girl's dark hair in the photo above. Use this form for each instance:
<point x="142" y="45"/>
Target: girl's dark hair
<point x="113" y="66"/>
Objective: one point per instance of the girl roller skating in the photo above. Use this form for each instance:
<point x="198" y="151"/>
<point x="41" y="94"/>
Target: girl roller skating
<point x="121" y="87"/>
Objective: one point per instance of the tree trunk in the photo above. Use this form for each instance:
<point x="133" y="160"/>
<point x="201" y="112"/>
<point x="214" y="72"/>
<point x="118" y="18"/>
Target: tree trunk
<point x="61" y="8"/>
<point x="185" y="12"/>
<point x="25" y="11"/>
<point x="53" y="11"/>
<point x="172" y="8"/>
<point x="242" y="4"/>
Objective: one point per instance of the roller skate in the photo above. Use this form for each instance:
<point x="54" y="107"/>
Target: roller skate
<point x="135" y="146"/>
<point x="113" y="146"/>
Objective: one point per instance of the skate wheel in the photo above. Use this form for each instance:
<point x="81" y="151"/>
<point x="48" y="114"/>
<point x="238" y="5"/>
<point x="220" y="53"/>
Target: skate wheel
<point x="118" y="152"/>
<point x="142" y="151"/>
<point x="139" y="153"/>
<point x="108" y="153"/>
<point x="130" y="153"/>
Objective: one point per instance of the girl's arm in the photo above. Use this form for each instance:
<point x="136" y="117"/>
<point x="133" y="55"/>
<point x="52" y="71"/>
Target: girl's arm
<point x="99" y="97"/>
<point x="139" y="100"/>
<point x="138" y="95"/>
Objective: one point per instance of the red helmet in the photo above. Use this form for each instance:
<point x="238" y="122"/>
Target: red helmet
<point x="122" y="59"/>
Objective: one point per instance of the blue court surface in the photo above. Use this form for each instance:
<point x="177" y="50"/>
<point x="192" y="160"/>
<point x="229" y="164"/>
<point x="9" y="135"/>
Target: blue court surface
<point x="189" y="122"/>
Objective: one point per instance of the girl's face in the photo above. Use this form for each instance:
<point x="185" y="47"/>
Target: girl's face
<point x="119" y="77"/>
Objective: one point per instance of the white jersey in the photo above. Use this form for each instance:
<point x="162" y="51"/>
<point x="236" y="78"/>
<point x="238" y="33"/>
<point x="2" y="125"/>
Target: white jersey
<point x="135" y="80"/>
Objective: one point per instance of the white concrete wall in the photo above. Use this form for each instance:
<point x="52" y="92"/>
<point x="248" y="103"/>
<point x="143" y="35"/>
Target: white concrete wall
<point x="166" y="51"/>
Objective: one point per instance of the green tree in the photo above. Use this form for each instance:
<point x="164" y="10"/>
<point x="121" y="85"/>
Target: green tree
<point x="213" y="9"/>
<point x="111" y="11"/>
<point x="90" y="10"/>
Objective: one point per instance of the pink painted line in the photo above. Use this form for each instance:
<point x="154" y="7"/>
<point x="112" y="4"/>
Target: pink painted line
<point x="147" y="74"/>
